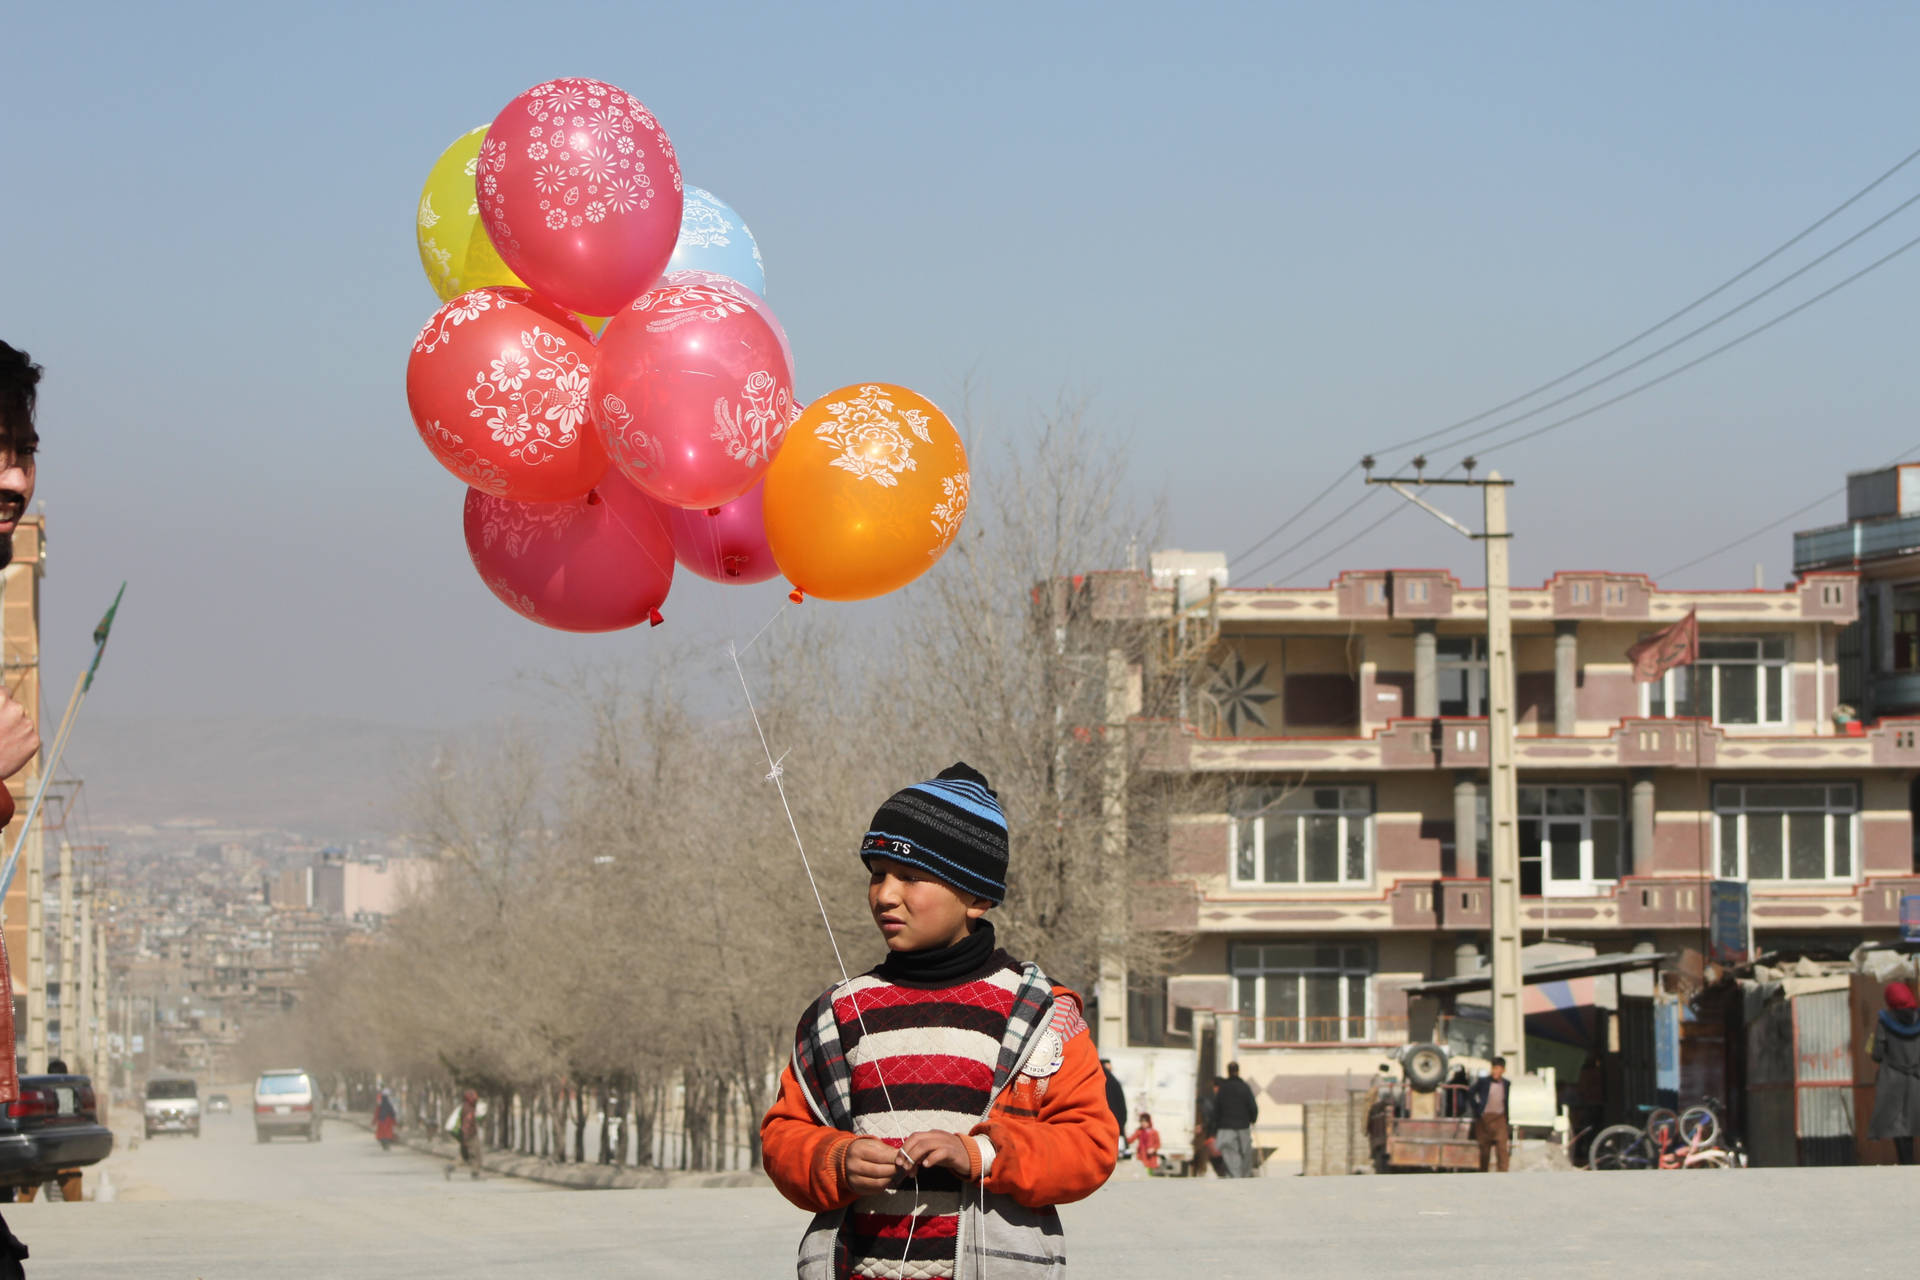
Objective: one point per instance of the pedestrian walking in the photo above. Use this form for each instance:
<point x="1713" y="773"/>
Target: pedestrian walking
<point x="1146" y="1144"/>
<point x="949" y="1098"/>
<point x="466" y="1129"/>
<point x="386" y="1117"/>
<point x="1896" y="1091"/>
<point x="1234" y="1111"/>
<point x="1490" y="1127"/>
<point x="1116" y="1099"/>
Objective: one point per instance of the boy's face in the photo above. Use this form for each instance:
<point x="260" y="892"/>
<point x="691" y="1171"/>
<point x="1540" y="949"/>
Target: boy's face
<point x="914" y="910"/>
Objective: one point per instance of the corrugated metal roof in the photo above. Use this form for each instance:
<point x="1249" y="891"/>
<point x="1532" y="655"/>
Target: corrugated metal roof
<point x="1556" y="971"/>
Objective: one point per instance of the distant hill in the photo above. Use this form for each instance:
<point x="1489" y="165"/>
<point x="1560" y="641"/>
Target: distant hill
<point x="316" y="775"/>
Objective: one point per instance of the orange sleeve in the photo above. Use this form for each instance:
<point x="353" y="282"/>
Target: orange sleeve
<point x="1068" y="1151"/>
<point x="805" y="1159"/>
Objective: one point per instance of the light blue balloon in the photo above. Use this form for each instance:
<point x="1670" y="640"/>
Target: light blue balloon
<point x="715" y="238"/>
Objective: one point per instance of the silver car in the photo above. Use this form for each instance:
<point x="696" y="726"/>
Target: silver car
<point x="285" y="1102"/>
<point x="172" y="1106"/>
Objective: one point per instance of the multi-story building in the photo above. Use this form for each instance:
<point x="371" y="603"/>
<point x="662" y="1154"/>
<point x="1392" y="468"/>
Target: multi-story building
<point x="1347" y="857"/>
<point x="1880" y="655"/>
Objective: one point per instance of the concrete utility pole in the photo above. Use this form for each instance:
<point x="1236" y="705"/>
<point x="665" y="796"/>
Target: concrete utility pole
<point x="1112" y="1031"/>
<point x="79" y="1043"/>
<point x="72" y="994"/>
<point x="1503" y="791"/>
<point x="36" y="857"/>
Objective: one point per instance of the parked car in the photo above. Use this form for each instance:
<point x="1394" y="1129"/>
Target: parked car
<point x="51" y="1129"/>
<point x="218" y="1104"/>
<point x="172" y="1106"/>
<point x="285" y="1102"/>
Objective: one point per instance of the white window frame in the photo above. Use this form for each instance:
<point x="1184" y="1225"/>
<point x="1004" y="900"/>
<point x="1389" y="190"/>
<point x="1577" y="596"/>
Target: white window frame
<point x="1736" y="813"/>
<point x="1535" y="800"/>
<point x="1536" y="804"/>
<point x="1254" y="964"/>
<point x="1259" y="812"/>
<point x="1658" y="697"/>
<point x="1473" y="669"/>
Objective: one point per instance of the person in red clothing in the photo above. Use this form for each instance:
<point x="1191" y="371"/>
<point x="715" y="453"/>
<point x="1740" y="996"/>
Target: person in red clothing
<point x="1146" y="1144"/>
<point x="938" y="1106"/>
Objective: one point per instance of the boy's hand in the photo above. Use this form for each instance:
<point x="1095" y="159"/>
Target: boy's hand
<point x="933" y="1149"/>
<point x="870" y="1166"/>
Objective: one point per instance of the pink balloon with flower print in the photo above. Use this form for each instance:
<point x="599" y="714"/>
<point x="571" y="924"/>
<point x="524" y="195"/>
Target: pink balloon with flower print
<point x="602" y="562"/>
<point x="579" y="190"/>
<point x="758" y="303"/>
<point x="726" y="544"/>
<point x="693" y="392"/>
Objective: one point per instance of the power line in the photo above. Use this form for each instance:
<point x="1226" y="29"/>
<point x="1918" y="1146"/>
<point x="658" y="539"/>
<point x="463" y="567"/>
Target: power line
<point x="1319" y="529"/>
<point x="1338" y="547"/>
<point x="1675" y="372"/>
<point x="1688" y="336"/>
<point x="1771" y="525"/>
<point x="1708" y="296"/>
<point x="1284" y="525"/>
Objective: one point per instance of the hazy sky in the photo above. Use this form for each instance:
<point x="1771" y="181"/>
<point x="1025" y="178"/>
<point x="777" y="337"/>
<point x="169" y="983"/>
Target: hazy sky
<point x="1260" y="238"/>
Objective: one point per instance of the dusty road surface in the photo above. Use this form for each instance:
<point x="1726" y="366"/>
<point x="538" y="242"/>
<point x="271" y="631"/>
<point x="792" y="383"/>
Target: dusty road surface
<point x="225" y="1163"/>
<point x="339" y="1208"/>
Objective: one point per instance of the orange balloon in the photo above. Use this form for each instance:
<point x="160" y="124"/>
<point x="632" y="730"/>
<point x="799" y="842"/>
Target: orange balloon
<point x="867" y="492"/>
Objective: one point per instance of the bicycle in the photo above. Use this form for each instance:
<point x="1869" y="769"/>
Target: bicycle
<point x="1669" y="1140"/>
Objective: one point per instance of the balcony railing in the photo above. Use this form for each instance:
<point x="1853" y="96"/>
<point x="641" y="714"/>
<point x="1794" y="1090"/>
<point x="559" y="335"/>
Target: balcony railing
<point x="1362" y="1030"/>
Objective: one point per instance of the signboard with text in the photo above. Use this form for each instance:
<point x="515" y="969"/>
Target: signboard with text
<point x="1730" y="923"/>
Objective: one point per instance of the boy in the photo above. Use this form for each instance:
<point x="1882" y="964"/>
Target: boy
<point x="939" y="1106"/>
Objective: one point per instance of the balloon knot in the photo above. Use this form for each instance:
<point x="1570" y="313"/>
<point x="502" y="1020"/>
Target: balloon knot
<point x="593" y="497"/>
<point x="713" y="511"/>
<point x="653" y="618"/>
<point x="797" y="596"/>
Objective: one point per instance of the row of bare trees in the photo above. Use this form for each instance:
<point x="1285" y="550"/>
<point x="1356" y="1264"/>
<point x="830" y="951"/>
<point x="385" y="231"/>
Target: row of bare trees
<point x="624" y="929"/>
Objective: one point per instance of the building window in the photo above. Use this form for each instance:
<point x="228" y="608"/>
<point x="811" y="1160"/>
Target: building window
<point x="1581" y="593"/>
<point x="1738" y="680"/>
<point x="1774" y="831"/>
<point x="1616" y="593"/>
<point x="1571" y="839"/>
<point x="1148" y="1023"/>
<point x="1303" y="993"/>
<point x="1303" y="835"/>
<point x="1460" y="675"/>
<point x="1906" y="630"/>
<point x="1417" y="592"/>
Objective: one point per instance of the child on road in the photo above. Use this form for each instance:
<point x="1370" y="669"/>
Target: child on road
<point x="939" y="1106"/>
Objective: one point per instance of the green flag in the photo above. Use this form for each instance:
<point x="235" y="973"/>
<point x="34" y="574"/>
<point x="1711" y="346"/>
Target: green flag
<point x="100" y="634"/>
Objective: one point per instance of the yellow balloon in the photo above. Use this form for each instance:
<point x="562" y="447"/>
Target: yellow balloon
<point x="454" y="247"/>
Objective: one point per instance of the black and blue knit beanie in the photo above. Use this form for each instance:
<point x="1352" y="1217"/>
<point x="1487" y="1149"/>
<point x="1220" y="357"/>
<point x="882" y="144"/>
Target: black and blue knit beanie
<point x="951" y="827"/>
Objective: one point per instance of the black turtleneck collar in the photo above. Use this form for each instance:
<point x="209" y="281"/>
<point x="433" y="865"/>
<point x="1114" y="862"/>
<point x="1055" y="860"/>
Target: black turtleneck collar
<point x="972" y="957"/>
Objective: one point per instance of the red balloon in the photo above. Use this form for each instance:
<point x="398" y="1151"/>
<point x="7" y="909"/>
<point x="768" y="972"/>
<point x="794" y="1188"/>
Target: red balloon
<point x="579" y="190"/>
<point x="693" y="392"/>
<point x="498" y="386"/>
<point x="759" y="303"/>
<point x="726" y="544"/>
<point x="602" y="562"/>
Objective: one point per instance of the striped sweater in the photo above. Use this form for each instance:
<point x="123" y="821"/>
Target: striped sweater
<point x="920" y="1059"/>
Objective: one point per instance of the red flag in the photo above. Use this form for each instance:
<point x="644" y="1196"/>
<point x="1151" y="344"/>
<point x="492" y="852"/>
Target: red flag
<point x="1658" y="654"/>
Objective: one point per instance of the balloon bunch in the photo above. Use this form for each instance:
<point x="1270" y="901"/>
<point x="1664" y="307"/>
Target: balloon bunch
<point x="609" y="382"/>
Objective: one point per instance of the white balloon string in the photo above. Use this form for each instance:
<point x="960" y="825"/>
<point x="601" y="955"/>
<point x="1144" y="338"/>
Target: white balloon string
<point x="777" y="776"/>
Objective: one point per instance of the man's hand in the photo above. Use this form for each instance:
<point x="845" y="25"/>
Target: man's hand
<point x="870" y="1166"/>
<point x="19" y="739"/>
<point x="933" y="1149"/>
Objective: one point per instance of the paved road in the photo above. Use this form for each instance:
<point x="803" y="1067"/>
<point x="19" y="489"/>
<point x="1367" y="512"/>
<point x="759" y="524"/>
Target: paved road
<point x="225" y="1163"/>
<point x="393" y="1217"/>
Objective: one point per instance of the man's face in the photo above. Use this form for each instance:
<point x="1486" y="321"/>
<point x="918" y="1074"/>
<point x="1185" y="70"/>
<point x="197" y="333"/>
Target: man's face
<point x="17" y="452"/>
<point x="1499" y="1071"/>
